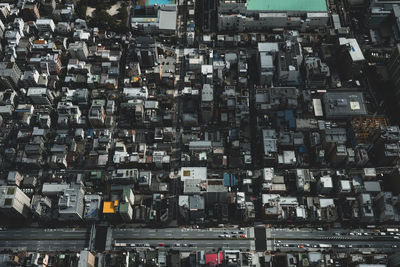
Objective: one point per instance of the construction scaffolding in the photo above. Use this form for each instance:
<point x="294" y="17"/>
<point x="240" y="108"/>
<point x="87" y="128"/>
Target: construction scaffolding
<point x="366" y="128"/>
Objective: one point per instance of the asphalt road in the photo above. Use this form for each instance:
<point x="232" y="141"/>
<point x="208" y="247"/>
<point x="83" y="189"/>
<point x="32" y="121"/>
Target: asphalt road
<point x="186" y="245"/>
<point x="43" y="234"/>
<point x="181" y="233"/>
<point x="341" y="246"/>
<point x="34" y="239"/>
<point x="335" y="234"/>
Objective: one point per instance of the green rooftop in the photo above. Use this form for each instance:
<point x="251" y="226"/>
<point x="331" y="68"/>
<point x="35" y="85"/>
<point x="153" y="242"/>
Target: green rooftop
<point x="287" y="5"/>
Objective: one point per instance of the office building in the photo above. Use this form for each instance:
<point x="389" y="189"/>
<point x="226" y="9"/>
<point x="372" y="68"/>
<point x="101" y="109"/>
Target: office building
<point x="45" y="25"/>
<point x="341" y="105"/>
<point x="71" y="204"/>
<point x="393" y="67"/>
<point x="9" y="75"/>
<point x="40" y="96"/>
<point x="78" y="50"/>
<point x="254" y="15"/>
<point x="14" y="203"/>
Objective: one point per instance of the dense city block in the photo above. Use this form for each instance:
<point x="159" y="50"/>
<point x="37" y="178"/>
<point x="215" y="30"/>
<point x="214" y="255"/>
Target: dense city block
<point x="200" y="133"/>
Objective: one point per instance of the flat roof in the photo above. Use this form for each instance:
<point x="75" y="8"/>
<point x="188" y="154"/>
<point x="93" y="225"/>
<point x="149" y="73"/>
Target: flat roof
<point x="155" y="2"/>
<point x="341" y="105"/>
<point x="168" y="20"/>
<point x="287" y="5"/>
<point x="109" y="207"/>
<point x="193" y="173"/>
<point x="354" y="49"/>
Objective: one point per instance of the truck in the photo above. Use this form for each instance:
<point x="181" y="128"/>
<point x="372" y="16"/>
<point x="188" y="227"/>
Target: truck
<point x="117" y="244"/>
<point x="325" y="245"/>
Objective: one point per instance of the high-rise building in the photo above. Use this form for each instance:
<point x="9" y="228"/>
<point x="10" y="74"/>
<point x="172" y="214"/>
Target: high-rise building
<point x="394" y="69"/>
<point x="45" y="25"/>
<point x="51" y="64"/>
<point x="97" y="114"/>
<point x="78" y="50"/>
<point x="253" y="15"/>
<point x="9" y="75"/>
<point x="13" y="202"/>
<point x="71" y="204"/>
<point x="5" y="11"/>
<point x="2" y="29"/>
<point x="40" y="96"/>
<point x="30" y="12"/>
<point x="378" y="11"/>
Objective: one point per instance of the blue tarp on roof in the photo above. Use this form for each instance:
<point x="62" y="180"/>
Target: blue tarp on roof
<point x="91" y="133"/>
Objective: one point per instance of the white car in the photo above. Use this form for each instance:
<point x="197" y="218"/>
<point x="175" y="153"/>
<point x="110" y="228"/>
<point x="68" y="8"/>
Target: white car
<point x="224" y="236"/>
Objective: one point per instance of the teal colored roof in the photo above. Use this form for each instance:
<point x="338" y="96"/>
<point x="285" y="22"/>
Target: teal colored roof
<point x="287" y="5"/>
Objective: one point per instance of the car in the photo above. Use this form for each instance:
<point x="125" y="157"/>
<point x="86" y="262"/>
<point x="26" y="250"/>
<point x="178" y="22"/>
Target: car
<point x="300" y="246"/>
<point x="320" y="229"/>
<point x="278" y="241"/>
<point x="285" y="245"/>
<point x="341" y="246"/>
<point x="336" y="233"/>
<point x="191" y="245"/>
<point x="314" y="246"/>
<point x="277" y="245"/>
<point x="396" y="237"/>
<point x="349" y="246"/>
<point x="177" y="245"/>
<point x="133" y="245"/>
<point x="307" y="245"/>
<point x="365" y="233"/>
<point x="161" y="244"/>
<point x="147" y="245"/>
<point x="358" y="233"/>
<point x="382" y="233"/>
<point x="394" y="246"/>
<point x="352" y="233"/>
<point x="242" y="236"/>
